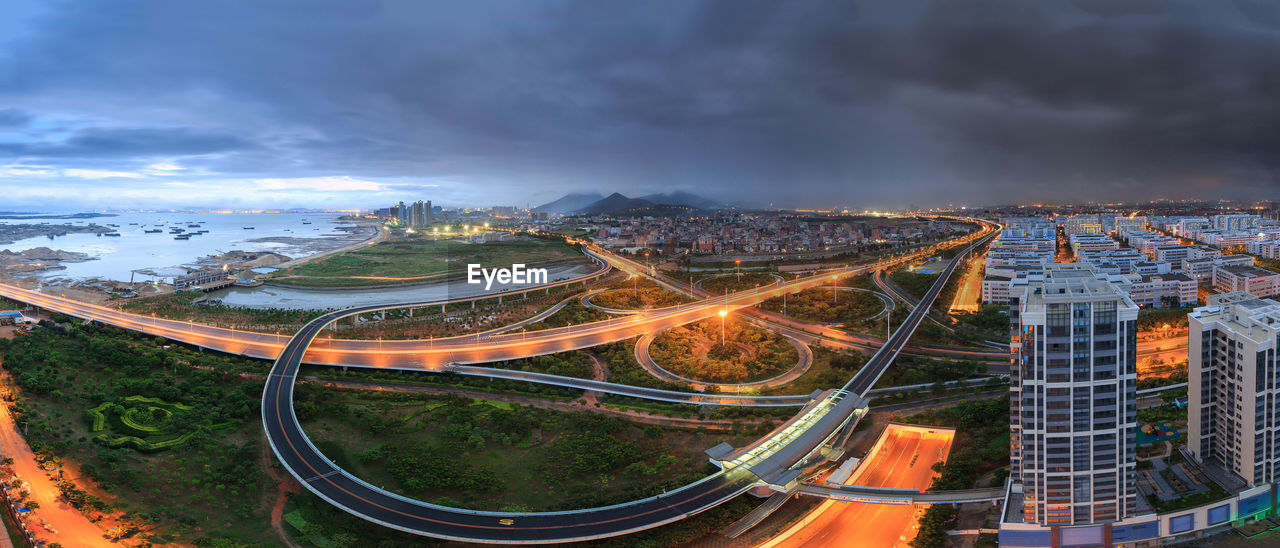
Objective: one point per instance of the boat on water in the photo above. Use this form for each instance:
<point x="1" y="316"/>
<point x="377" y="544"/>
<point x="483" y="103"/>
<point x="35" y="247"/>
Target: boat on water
<point x="247" y="227"/>
<point x="115" y="234"/>
<point x="193" y="226"/>
<point x="182" y="237"/>
<point x="153" y="231"/>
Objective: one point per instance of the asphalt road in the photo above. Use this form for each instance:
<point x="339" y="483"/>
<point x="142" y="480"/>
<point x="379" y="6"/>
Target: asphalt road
<point x="322" y="477"/>
<point x="904" y="462"/>
<point x="345" y="491"/>
<point x="866" y="378"/>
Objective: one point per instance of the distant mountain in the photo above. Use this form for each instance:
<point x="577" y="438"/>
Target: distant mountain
<point x="614" y="203"/>
<point x="681" y="198"/>
<point x="569" y="203"/>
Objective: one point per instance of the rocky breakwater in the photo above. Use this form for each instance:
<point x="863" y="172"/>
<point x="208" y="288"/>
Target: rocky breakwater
<point x="38" y="259"/>
<point x="10" y="233"/>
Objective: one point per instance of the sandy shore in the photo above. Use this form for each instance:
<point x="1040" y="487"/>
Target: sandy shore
<point x="380" y="233"/>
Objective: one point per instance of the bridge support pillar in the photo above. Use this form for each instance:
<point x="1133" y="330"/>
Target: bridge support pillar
<point x="473" y="304"/>
<point x="499" y="299"/>
<point x="442" y="309"/>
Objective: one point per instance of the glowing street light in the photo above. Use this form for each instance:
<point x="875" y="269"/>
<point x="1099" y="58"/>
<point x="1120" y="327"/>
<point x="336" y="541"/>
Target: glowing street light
<point x="635" y="285"/>
<point x="834" y="277"/>
<point x="723" y="313"/>
<point x="737" y="268"/>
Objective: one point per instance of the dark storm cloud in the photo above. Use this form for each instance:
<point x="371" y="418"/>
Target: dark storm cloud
<point x="117" y="142"/>
<point x="801" y="103"/>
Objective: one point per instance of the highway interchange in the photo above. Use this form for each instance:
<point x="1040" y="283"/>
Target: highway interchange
<point x="344" y="490"/>
<point x="317" y="473"/>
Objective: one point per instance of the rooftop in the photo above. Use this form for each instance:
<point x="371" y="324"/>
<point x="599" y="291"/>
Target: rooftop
<point x="1243" y="314"/>
<point x="1247" y="271"/>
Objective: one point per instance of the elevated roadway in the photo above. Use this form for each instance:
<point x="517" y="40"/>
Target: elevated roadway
<point x="780" y="457"/>
<point x="772" y="460"/>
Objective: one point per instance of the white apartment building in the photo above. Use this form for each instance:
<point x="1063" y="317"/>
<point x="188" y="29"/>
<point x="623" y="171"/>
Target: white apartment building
<point x="1269" y="249"/>
<point x="1129" y="224"/>
<point x="1081" y="224"/>
<point x="1236" y="221"/>
<point x="1202" y="269"/>
<point x="1186" y="226"/>
<point x="1032" y="227"/>
<point x="1073" y="421"/>
<point x="1120" y="260"/>
<point x="1233" y="388"/>
<point x="1176" y="253"/>
<point x="1160" y="290"/>
<point x="1250" y="279"/>
<point x="1228" y="238"/>
<point x="1086" y="241"/>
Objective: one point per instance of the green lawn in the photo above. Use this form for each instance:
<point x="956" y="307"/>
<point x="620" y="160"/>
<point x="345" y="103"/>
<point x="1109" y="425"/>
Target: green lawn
<point x="421" y="258"/>
<point x="475" y="454"/>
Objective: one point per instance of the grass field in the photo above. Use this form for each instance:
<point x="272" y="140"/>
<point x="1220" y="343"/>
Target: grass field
<point x="421" y="258"/>
<point x="494" y="456"/>
<point x="209" y="488"/>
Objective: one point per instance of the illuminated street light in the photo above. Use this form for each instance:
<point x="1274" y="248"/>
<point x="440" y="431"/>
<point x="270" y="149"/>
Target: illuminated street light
<point x="723" y="313"/>
<point x="834" y="277"/>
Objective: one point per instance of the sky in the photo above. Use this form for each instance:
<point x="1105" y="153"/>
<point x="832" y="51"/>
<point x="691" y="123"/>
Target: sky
<point x="800" y="103"/>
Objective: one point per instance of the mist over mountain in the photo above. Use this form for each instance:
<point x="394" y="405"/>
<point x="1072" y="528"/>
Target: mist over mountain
<point x="591" y="203"/>
<point x="682" y="198"/>
<point x="569" y="203"/>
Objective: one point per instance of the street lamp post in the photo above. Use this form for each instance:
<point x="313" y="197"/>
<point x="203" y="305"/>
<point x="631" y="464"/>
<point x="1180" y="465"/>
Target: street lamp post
<point x="737" y="268"/>
<point x="723" y="313"/>
<point x="834" y="277"/>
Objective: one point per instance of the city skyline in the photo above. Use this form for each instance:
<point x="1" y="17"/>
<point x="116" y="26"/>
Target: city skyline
<point x="820" y="273"/>
<point x="871" y="105"/>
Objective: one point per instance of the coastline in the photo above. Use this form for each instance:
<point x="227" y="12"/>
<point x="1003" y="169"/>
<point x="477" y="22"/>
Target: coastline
<point x="91" y="289"/>
<point x="380" y="234"/>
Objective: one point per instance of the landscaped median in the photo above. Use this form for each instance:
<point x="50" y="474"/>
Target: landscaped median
<point x="748" y="353"/>
<point x="146" y="424"/>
